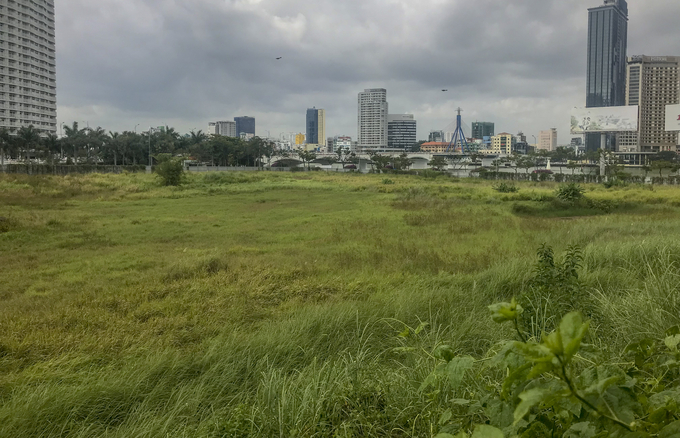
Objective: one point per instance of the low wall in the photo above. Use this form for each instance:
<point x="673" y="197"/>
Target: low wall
<point x="63" y="169"/>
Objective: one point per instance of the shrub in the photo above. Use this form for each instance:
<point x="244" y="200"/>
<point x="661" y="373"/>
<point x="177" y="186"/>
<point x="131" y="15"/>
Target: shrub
<point x="6" y="224"/>
<point x="506" y="188"/>
<point x="170" y="170"/>
<point x="571" y="193"/>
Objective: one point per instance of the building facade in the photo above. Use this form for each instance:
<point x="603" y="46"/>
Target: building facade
<point x="434" y="147"/>
<point x="653" y="83"/>
<point x="435" y="136"/>
<point x="299" y="139"/>
<point x="28" y="90"/>
<point x="372" y="119"/>
<point x="245" y="125"/>
<point x="316" y="127"/>
<point x="482" y="129"/>
<point x="225" y="128"/>
<point x="503" y="143"/>
<point x="343" y="142"/>
<point x="547" y="140"/>
<point x="606" y="73"/>
<point x="401" y="131"/>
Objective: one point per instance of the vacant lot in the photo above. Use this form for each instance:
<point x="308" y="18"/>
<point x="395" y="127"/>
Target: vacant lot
<point x="269" y="304"/>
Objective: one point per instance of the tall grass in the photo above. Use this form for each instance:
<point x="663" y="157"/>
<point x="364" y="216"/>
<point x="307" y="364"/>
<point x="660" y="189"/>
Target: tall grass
<point x="260" y="305"/>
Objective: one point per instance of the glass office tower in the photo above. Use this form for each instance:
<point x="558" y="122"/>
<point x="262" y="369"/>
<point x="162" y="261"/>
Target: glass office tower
<point x="606" y="76"/>
<point x="245" y="125"/>
<point x="316" y="126"/>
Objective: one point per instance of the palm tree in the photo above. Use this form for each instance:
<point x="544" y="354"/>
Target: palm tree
<point x="51" y="145"/>
<point x="197" y="137"/>
<point x="74" y="138"/>
<point x="6" y="143"/>
<point x="114" y="144"/>
<point x="28" y="137"/>
<point x="96" y="139"/>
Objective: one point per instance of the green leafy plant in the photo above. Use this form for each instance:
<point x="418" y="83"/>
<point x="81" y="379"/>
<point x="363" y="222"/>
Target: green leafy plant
<point x="170" y="170"/>
<point x="561" y="387"/>
<point x="570" y="193"/>
<point x="506" y="188"/>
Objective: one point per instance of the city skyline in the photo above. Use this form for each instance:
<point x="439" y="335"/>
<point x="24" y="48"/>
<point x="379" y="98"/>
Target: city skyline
<point x="160" y="69"/>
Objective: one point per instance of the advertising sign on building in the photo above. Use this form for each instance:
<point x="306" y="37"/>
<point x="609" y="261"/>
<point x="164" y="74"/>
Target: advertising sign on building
<point x="606" y="119"/>
<point x="672" y="117"/>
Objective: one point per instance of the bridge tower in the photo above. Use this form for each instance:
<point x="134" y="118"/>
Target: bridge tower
<point x="458" y="139"/>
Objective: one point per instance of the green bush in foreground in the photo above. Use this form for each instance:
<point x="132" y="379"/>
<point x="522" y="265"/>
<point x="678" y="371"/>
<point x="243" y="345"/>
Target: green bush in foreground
<point x="560" y="387"/>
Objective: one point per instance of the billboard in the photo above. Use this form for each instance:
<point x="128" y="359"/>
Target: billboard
<point x="605" y="119"/>
<point x="672" y="117"/>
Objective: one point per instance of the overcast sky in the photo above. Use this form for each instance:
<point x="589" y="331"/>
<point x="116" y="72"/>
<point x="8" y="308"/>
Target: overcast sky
<point x="518" y="63"/>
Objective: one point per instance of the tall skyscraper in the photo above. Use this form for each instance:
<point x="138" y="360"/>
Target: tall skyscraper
<point x="606" y="75"/>
<point x="316" y="126"/>
<point x="372" y="119"/>
<point x="653" y="83"/>
<point x="482" y="129"/>
<point x="28" y="90"/>
<point x="401" y="131"/>
<point x="245" y="125"/>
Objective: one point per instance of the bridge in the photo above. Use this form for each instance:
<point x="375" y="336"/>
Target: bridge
<point x="420" y="160"/>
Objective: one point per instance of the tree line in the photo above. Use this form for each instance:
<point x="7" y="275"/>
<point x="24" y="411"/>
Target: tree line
<point x="97" y="146"/>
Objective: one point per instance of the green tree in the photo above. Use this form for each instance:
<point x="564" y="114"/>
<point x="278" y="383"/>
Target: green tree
<point x="170" y="170"/>
<point x="52" y="146"/>
<point x="592" y="156"/>
<point x="526" y="162"/>
<point x="342" y="154"/>
<point x="28" y="139"/>
<point x="661" y="166"/>
<point x="402" y="162"/>
<point x="75" y="139"/>
<point x="96" y="140"/>
<point x="416" y="146"/>
<point x="438" y="163"/>
<point x="572" y="166"/>
<point x="6" y="145"/>
<point x="380" y="161"/>
<point x="306" y="156"/>
<point x="197" y="137"/>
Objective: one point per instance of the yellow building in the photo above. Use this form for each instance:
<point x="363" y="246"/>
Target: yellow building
<point x="300" y="139"/>
<point x="502" y="143"/>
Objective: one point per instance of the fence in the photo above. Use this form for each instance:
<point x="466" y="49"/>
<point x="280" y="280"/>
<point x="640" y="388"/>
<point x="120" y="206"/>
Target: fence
<point x="63" y="169"/>
<point x="595" y="179"/>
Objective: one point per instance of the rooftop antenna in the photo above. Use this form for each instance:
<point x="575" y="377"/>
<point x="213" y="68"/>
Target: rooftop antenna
<point x="458" y="139"/>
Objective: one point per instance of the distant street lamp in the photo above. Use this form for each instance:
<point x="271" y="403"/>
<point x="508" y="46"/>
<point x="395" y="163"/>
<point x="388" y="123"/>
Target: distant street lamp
<point x="149" y="167"/>
<point x="136" y="127"/>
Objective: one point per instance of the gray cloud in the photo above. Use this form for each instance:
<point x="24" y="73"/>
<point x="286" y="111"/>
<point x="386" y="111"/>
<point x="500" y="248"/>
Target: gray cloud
<point x="519" y="63"/>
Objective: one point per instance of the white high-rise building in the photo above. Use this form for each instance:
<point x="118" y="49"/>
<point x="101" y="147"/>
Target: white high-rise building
<point x="227" y="128"/>
<point x="372" y="119"/>
<point x="28" y="90"/>
<point x="653" y="82"/>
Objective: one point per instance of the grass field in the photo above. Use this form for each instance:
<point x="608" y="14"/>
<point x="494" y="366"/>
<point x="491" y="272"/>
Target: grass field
<point x="269" y="304"/>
